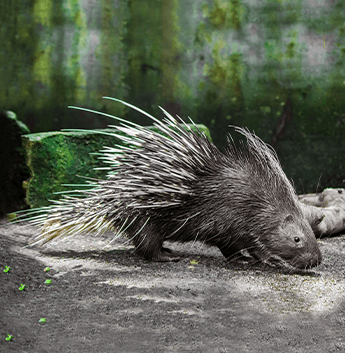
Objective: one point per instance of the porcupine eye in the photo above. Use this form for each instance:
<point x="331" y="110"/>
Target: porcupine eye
<point x="318" y="221"/>
<point x="296" y="239"/>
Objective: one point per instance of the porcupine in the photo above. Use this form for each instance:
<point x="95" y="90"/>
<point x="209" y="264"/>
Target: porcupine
<point x="176" y="185"/>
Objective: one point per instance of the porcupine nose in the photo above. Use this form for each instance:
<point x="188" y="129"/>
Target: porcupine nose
<point x="311" y="258"/>
<point x="315" y="259"/>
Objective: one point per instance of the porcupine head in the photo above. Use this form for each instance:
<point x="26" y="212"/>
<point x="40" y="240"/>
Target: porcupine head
<point x="180" y="187"/>
<point x="271" y="225"/>
<point x="261" y="208"/>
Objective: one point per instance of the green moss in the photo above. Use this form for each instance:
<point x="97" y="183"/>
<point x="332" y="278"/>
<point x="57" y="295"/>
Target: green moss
<point x="42" y="66"/>
<point x="145" y="56"/>
<point x="290" y="50"/>
<point x="57" y="157"/>
<point x="336" y="15"/>
<point x="202" y="35"/>
<point x="223" y="98"/>
<point x="112" y="49"/>
<point x="273" y="51"/>
<point x="236" y="14"/>
<point x="236" y="72"/>
<point x="292" y="12"/>
<point x="225" y="14"/>
<point x="341" y="30"/>
<point x="170" y="50"/>
<point x="42" y="11"/>
<point x="218" y="14"/>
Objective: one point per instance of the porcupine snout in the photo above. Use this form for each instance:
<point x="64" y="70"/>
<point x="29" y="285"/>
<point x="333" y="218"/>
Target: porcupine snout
<point x="308" y="260"/>
<point x="307" y="252"/>
<point x="294" y="243"/>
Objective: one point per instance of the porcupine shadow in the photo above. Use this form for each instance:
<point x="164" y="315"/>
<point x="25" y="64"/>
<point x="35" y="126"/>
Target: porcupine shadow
<point x="118" y="255"/>
<point x="183" y="189"/>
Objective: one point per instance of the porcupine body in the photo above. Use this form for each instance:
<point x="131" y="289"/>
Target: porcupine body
<point x="182" y="188"/>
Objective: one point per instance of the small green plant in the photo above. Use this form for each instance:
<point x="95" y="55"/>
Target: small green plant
<point x="47" y="269"/>
<point x="7" y="269"/>
<point x="9" y="337"/>
<point x="194" y="262"/>
<point x="12" y="217"/>
<point x="48" y="281"/>
<point x="42" y="320"/>
<point x="22" y="287"/>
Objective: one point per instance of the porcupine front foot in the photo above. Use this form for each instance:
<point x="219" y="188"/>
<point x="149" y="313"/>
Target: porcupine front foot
<point x="158" y="255"/>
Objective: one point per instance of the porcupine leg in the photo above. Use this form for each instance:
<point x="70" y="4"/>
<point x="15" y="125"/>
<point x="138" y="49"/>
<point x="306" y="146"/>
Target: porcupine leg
<point x="227" y="252"/>
<point x="234" y="255"/>
<point x="230" y="252"/>
<point x="149" y="244"/>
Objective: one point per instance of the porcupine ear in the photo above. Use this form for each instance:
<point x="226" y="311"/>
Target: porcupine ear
<point x="288" y="220"/>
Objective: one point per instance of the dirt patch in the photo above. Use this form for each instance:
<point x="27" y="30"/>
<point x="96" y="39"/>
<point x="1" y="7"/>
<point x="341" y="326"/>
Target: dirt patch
<point x="113" y="301"/>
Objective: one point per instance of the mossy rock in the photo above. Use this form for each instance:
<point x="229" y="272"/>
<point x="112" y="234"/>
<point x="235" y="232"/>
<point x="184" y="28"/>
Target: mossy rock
<point x="59" y="158"/>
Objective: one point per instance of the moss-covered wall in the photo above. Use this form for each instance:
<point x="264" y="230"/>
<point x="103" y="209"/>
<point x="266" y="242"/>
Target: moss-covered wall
<point x="56" y="53"/>
<point x="276" y="66"/>
<point x="254" y="55"/>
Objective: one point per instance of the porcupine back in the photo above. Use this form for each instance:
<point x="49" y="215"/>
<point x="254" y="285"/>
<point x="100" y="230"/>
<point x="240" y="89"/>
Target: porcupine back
<point x="182" y="188"/>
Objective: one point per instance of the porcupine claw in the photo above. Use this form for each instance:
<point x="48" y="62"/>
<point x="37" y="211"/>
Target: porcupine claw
<point x="166" y="255"/>
<point x="238" y="256"/>
<point x="167" y="250"/>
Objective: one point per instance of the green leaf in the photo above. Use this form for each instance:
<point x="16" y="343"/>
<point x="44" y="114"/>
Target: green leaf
<point x="193" y="261"/>
<point x="48" y="281"/>
<point x="9" y="337"/>
<point x="7" y="269"/>
<point x="22" y="287"/>
<point x="46" y="269"/>
<point x="42" y="320"/>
